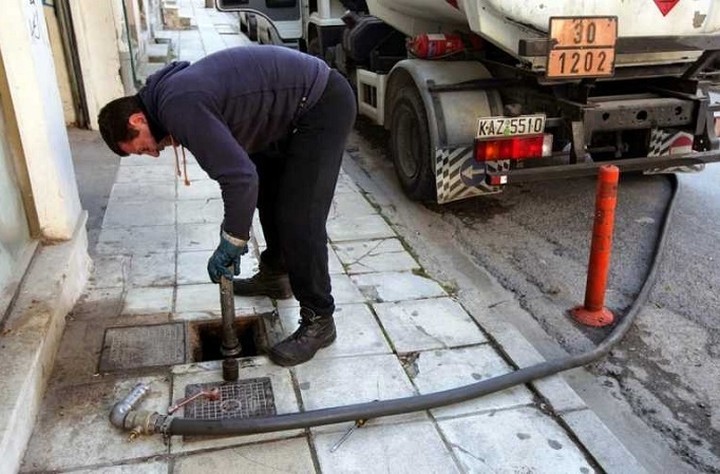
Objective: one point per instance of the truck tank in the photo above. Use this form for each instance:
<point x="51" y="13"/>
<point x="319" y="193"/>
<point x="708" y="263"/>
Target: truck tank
<point x="506" y="22"/>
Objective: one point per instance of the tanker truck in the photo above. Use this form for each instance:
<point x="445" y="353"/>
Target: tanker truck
<point x="481" y="94"/>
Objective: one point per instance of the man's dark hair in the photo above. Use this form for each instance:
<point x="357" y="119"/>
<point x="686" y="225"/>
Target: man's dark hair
<point x="113" y="120"/>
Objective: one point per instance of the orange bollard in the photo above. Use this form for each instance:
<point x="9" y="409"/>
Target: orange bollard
<point x="594" y="313"/>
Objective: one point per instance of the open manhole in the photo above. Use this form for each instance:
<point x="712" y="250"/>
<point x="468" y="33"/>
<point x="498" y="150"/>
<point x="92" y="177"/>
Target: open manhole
<point x="134" y="347"/>
<point x="247" y="398"/>
<point x="205" y="339"/>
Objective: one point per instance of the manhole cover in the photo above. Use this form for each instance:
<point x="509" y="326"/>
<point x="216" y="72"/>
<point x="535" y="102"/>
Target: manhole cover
<point x="133" y="347"/>
<point x="246" y="398"/>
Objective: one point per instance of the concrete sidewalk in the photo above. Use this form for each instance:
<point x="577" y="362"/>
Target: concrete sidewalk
<point x="147" y="313"/>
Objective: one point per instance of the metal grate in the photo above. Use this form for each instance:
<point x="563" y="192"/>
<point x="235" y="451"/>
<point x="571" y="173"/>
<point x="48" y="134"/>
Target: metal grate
<point x="134" y="347"/>
<point x="246" y="398"/>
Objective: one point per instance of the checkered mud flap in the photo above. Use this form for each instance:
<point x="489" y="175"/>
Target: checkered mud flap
<point x="669" y="141"/>
<point x="459" y="176"/>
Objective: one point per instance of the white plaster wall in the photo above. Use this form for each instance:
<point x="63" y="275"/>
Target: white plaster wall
<point x="61" y="68"/>
<point x="95" y="25"/>
<point x="38" y="110"/>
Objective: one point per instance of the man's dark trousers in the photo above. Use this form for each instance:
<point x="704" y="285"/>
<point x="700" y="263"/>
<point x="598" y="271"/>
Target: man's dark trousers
<point x="297" y="184"/>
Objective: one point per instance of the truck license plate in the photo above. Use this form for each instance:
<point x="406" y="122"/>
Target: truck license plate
<point x="490" y="127"/>
<point x="582" y="47"/>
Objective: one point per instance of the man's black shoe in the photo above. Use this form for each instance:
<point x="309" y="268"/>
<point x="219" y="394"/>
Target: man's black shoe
<point x="315" y="332"/>
<point x="266" y="282"/>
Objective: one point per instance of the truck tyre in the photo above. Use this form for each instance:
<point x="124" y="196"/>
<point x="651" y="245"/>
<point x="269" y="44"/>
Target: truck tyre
<point x="410" y="145"/>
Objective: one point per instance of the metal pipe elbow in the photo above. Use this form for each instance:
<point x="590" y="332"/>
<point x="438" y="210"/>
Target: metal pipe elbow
<point x="123" y="407"/>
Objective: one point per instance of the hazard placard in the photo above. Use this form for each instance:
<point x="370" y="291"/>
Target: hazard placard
<point x="581" y="47"/>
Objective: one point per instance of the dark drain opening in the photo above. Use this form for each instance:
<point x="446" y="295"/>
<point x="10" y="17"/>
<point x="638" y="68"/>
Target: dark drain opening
<point x="206" y="339"/>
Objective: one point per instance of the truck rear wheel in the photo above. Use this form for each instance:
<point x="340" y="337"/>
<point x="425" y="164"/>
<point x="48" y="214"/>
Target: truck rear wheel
<point x="410" y="145"/>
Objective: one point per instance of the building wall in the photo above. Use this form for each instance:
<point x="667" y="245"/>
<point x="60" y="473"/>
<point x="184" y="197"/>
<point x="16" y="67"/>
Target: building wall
<point x="97" y="26"/>
<point x="34" y="98"/>
<point x="61" y="68"/>
<point x="15" y="241"/>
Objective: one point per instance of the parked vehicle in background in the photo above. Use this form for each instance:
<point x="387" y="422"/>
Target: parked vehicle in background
<point x="479" y="94"/>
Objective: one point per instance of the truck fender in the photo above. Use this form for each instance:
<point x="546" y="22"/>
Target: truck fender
<point x="464" y="107"/>
<point x="452" y="120"/>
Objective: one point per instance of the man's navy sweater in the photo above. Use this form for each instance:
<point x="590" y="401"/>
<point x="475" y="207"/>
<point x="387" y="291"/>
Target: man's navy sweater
<point x="231" y="103"/>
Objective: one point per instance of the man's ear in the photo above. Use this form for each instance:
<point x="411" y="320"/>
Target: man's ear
<point x="137" y="119"/>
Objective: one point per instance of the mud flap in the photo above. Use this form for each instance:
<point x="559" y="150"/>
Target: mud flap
<point x="459" y="176"/>
<point x="667" y="142"/>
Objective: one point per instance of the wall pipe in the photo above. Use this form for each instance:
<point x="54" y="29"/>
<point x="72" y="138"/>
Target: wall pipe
<point x="168" y="425"/>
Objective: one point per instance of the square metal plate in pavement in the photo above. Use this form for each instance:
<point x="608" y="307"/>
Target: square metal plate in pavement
<point x="136" y="347"/>
<point x="247" y="398"/>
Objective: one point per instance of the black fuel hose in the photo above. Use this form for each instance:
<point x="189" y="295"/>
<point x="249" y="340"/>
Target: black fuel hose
<point x="397" y="406"/>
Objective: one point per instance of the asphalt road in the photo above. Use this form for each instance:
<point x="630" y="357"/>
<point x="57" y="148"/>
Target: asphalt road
<point x="663" y="380"/>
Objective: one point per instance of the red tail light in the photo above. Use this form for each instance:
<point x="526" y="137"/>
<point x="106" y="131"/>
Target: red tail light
<point x="453" y="3"/>
<point x="513" y="148"/>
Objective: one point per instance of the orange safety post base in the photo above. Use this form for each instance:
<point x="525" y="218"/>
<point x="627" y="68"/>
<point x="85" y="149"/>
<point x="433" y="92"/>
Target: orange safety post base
<point x="599" y="318"/>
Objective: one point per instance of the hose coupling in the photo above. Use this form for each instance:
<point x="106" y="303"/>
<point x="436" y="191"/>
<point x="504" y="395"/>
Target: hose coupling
<point x="143" y="422"/>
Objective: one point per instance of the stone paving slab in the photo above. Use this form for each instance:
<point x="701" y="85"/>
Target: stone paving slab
<point x="141" y="192"/>
<point x="148" y="300"/>
<point x="348" y="204"/>
<point x="149" y="269"/>
<point x="203" y="301"/>
<point x="396" y="286"/>
<point x="420" y="325"/>
<point x="530" y="441"/>
<point x="77" y="417"/>
<point x="134" y="214"/>
<point x="402" y="448"/>
<point x="153" y="467"/>
<point x="605" y="446"/>
<point x="335" y="266"/>
<point x="200" y="211"/>
<point x="346" y="228"/>
<point x="345" y="184"/>
<point x="434" y="371"/>
<point x="198" y="237"/>
<point x="133" y="240"/>
<point x="554" y="388"/>
<point x="384" y="255"/>
<point x="99" y="303"/>
<point x="202" y="189"/>
<point x="326" y="382"/>
<point x="291" y="455"/>
<point x="165" y="159"/>
<point x="153" y="269"/>
<point x="144" y="174"/>
<point x="110" y="271"/>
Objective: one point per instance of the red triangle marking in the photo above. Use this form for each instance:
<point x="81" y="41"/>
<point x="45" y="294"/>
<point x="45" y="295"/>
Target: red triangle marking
<point x="666" y="5"/>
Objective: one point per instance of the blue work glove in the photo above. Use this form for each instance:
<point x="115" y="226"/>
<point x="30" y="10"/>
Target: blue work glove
<point x="225" y="261"/>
